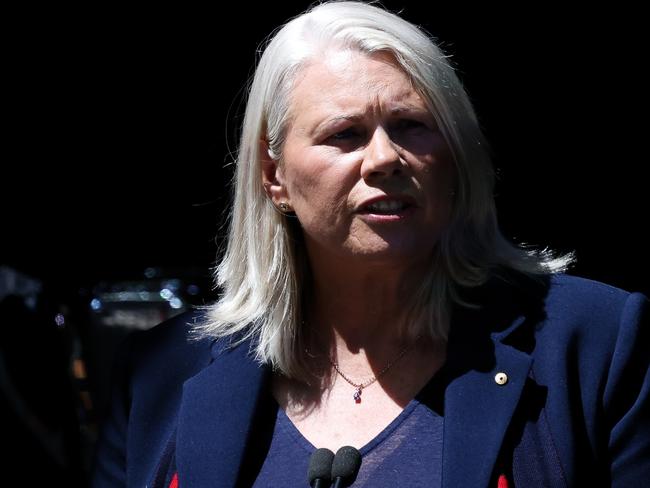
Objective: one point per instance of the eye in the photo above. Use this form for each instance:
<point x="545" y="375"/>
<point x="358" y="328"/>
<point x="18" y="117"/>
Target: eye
<point x="408" y="124"/>
<point x="346" y="135"/>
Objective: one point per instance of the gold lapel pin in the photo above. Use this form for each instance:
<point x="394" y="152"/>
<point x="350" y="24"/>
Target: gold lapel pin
<point x="500" y="378"/>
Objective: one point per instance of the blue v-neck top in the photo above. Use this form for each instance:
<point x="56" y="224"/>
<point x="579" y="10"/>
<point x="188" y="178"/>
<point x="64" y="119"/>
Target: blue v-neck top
<point x="408" y="452"/>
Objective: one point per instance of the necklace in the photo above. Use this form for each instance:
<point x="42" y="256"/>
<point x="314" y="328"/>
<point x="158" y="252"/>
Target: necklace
<point x="360" y="386"/>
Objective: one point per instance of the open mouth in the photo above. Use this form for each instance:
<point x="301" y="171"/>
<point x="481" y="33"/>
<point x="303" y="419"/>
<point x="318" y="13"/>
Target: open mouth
<point x="386" y="207"/>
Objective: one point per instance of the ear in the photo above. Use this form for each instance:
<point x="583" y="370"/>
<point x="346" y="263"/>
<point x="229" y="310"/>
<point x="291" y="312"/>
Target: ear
<point x="272" y="177"/>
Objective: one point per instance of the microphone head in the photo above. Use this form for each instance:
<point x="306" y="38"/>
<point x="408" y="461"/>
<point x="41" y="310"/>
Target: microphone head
<point x="320" y="465"/>
<point x="346" y="462"/>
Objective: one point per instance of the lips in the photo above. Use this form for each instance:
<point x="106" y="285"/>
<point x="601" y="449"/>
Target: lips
<point x="387" y="204"/>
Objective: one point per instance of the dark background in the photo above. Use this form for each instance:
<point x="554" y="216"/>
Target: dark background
<point x="120" y="125"/>
<point x="122" y="121"/>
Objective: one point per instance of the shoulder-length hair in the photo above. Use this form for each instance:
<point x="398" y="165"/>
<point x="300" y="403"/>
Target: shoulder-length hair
<point x="264" y="274"/>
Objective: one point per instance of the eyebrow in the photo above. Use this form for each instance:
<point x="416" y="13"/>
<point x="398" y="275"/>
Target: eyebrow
<point x="356" y="117"/>
<point x="332" y="120"/>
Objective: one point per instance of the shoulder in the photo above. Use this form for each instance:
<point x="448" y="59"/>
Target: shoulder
<point x="556" y="307"/>
<point x="574" y="294"/>
<point x="569" y="324"/>
<point x="590" y="310"/>
<point x="588" y="335"/>
<point x="167" y="353"/>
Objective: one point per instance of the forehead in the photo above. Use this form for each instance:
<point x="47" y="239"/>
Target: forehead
<point x="344" y="79"/>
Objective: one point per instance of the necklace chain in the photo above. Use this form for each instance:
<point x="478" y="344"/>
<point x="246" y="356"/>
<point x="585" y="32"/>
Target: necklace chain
<point x="360" y="386"/>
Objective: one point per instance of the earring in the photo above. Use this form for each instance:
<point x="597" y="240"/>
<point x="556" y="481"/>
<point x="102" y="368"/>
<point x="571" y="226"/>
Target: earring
<point x="284" y="207"/>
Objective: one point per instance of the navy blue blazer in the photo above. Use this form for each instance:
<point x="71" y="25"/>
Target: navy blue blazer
<point x="573" y="412"/>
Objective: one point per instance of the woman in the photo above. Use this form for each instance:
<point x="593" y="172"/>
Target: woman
<point x="369" y="299"/>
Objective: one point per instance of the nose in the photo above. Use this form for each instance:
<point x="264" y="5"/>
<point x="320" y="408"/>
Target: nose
<point x="380" y="158"/>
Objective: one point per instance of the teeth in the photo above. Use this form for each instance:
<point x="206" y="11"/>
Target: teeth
<point x="387" y="206"/>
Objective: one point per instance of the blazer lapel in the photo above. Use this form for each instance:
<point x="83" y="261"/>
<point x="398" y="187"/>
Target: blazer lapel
<point x="216" y="416"/>
<point x="492" y="339"/>
<point x="478" y="411"/>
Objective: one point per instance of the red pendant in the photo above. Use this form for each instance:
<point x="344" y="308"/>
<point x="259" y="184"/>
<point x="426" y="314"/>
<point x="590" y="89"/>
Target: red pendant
<point x="357" y="395"/>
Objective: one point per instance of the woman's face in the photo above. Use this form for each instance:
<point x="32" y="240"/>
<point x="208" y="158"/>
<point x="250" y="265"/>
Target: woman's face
<point x="364" y="166"/>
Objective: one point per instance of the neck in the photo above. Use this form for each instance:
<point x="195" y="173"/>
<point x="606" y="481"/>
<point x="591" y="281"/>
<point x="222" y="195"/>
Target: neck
<point x="361" y="308"/>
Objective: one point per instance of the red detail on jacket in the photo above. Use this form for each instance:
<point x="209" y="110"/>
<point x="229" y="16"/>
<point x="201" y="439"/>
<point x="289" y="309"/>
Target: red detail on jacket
<point x="502" y="483"/>
<point x="174" y="482"/>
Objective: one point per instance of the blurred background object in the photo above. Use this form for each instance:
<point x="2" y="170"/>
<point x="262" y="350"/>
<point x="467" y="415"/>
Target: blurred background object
<point x="56" y="353"/>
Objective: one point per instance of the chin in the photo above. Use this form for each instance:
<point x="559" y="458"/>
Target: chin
<point x="397" y="252"/>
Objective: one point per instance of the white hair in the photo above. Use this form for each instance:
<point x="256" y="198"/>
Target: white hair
<point x="264" y="274"/>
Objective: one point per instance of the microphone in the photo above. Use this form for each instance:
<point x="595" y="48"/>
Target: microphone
<point x="320" y="468"/>
<point x="345" y="466"/>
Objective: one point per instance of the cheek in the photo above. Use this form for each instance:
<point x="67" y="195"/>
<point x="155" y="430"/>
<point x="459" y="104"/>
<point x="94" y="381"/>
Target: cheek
<point x="424" y="144"/>
<point x="319" y="186"/>
<point x="437" y="182"/>
<point x="440" y="165"/>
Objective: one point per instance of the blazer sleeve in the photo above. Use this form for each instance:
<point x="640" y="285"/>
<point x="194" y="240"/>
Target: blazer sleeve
<point x="109" y="463"/>
<point x="627" y="396"/>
